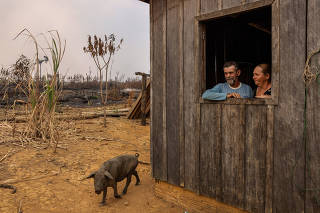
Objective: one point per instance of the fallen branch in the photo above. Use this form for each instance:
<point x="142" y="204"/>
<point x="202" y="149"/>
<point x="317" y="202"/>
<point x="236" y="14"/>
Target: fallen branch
<point x="21" y="145"/>
<point x="12" y="181"/>
<point x="83" y="117"/>
<point x="19" y="208"/>
<point x="91" y="116"/>
<point x="14" y="189"/>
<point x="61" y="147"/>
<point x="6" y="155"/>
<point x="142" y="162"/>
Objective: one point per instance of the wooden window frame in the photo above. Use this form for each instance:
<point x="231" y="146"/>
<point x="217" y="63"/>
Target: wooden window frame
<point x="200" y="72"/>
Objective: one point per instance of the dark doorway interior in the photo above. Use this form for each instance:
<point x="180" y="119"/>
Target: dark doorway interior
<point x="244" y="38"/>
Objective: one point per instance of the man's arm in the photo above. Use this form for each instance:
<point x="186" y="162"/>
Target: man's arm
<point x="214" y="94"/>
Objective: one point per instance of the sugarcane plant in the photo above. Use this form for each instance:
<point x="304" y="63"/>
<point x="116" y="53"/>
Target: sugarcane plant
<point x="42" y="100"/>
<point x="102" y="51"/>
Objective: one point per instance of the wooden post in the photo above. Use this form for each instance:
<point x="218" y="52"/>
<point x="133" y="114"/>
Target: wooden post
<point x="143" y="101"/>
<point x="144" y="97"/>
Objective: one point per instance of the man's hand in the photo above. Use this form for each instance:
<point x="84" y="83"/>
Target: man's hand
<point x="233" y="95"/>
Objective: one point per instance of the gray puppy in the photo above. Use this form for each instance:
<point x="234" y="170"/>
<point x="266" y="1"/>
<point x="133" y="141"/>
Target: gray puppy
<point x="113" y="171"/>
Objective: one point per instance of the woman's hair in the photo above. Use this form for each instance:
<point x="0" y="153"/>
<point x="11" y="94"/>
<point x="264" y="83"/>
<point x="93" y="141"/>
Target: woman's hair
<point x="265" y="70"/>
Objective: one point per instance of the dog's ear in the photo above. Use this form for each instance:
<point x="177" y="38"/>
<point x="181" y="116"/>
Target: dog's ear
<point x="108" y="175"/>
<point x="91" y="175"/>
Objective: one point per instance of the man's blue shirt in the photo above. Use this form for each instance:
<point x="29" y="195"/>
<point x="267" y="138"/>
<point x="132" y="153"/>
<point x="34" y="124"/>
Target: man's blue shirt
<point x="220" y="91"/>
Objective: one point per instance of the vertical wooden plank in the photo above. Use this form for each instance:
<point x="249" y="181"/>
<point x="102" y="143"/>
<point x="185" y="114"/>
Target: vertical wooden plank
<point x="143" y="100"/>
<point x="275" y="50"/>
<point x="256" y="141"/>
<point x="181" y="89"/>
<point x="210" y="151"/>
<point x="151" y="89"/>
<point x="313" y="116"/>
<point x="158" y="136"/>
<point x="210" y="6"/>
<point x="232" y="154"/>
<point x="289" y="147"/>
<point x="269" y="159"/>
<point x="198" y="62"/>
<point x="203" y="78"/>
<point x="164" y="95"/>
<point x="189" y="106"/>
<point x="197" y="95"/>
<point x="172" y="91"/>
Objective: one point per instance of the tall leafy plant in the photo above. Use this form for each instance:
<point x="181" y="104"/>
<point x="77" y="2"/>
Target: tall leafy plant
<point x="42" y="122"/>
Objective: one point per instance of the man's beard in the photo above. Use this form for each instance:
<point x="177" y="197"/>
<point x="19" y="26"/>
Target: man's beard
<point x="231" y="81"/>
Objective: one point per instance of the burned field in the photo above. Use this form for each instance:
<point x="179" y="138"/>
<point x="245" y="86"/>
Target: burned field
<point x="52" y="182"/>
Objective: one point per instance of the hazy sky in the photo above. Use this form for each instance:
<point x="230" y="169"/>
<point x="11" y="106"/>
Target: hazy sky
<point x="75" y="20"/>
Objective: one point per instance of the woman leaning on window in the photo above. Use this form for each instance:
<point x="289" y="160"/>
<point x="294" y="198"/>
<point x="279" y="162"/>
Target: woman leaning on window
<point x="262" y="78"/>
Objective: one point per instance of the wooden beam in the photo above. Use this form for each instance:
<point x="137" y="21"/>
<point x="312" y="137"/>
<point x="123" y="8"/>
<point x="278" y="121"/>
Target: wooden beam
<point x="259" y="27"/>
<point x="233" y="10"/>
<point x="190" y="201"/>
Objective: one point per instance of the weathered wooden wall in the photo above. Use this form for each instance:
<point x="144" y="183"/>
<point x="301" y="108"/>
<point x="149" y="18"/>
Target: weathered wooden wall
<point x="252" y="157"/>
<point x="233" y="154"/>
<point x="175" y="150"/>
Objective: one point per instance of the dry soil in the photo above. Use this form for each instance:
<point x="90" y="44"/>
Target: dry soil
<point x="51" y="182"/>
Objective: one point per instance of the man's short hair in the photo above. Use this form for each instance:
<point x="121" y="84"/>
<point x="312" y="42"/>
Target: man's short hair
<point x="231" y="63"/>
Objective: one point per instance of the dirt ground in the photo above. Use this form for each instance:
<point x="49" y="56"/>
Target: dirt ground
<point x="51" y="182"/>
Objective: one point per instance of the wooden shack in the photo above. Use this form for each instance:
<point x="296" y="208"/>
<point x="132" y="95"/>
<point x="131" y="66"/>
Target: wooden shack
<point x="257" y="155"/>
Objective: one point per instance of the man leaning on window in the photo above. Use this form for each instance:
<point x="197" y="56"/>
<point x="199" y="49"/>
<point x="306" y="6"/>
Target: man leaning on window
<point x="232" y="88"/>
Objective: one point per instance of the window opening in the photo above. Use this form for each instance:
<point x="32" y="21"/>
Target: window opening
<point x="242" y="37"/>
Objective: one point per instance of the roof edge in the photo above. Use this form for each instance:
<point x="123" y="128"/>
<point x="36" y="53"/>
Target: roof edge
<point x="145" y="1"/>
